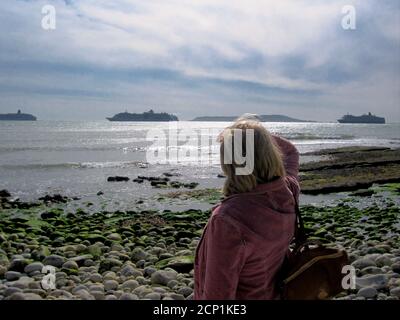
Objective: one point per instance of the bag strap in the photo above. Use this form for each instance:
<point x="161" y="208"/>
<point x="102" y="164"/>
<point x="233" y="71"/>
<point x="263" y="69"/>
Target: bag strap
<point x="300" y="235"/>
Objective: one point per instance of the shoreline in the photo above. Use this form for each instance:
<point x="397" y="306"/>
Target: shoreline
<point x="147" y="253"/>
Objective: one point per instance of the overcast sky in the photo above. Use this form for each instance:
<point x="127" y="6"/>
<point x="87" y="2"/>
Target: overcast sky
<point x="200" y="57"/>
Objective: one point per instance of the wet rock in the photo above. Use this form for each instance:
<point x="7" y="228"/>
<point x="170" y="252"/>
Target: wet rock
<point x="117" y="179"/>
<point x="367" y="292"/>
<point x="110" y="285"/>
<point x="130" y="285"/>
<point x="395" y="292"/>
<point x="57" y="198"/>
<point x="158" y="183"/>
<point x="163" y="276"/>
<point x="128" y="296"/>
<point x="12" y="275"/>
<point x="153" y="296"/>
<point x="84" y="295"/>
<point x="95" y="277"/>
<point x="18" y="265"/>
<point x="383" y="261"/>
<point x="191" y="185"/>
<point x="363" y="263"/>
<point x="32" y="267"/>
<point x="114" y="237"/>
<point x="371" y="270"/>
<point x="138" y="254"/>
<point x="176" y="296"/>
<point x="185" y="291"/>
<point x="108" y="264"/>
<point x="4" y="194"/>
<point x="70" y="265"/>
<point x="182" y="264"/>
<point x="363" y="193"/>
<point x="396" y="267"/>
<point x="377" y="281"/>
<point x="81" y="260"/>
<point x="129" y="271"/>
<point x="54" y="260"/>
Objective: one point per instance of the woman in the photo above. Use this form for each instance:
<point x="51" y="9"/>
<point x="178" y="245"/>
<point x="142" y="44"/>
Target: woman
<point x="248" y="233"/>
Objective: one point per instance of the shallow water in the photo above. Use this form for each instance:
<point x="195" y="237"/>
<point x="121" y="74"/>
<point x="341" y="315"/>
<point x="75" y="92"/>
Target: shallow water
<point x="75" y="158"/>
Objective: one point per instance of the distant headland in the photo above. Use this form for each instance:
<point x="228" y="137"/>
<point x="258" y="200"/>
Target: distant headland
<point x="263" y="118"/>
<point x="19" y="116"/>
<point x="145" y="116"/>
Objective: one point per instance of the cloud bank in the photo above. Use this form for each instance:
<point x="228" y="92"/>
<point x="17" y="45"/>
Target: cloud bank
<point x="200" y="57"/>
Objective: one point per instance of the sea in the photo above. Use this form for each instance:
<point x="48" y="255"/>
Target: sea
<point x="75" y="158"/>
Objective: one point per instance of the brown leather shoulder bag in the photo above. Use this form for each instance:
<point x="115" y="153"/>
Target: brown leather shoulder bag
<point x="311" y="271"/>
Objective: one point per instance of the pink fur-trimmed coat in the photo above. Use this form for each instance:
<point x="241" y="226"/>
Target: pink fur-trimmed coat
<point x="247" y="236"/>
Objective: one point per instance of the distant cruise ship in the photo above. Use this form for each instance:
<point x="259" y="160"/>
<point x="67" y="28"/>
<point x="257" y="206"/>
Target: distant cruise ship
<point x="145" y="116"/>
<point x="17" y="117"/>
<point x="365" y="118"/>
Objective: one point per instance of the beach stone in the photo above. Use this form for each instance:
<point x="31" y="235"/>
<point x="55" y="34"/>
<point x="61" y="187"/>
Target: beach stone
<point x="110" y="285"/>
<point x="12" y="275"/>
<point x="395" y="292"/>
<point x="181" y="264"/>
<point x="89" y="263"/>
<point x="110" y="275"/>
<point x="25" y="296"/>
<point x="128" y="296"/>
<point x="172" y="284"/>
<point x="96" y="286"/>
<point x="114" y="237"/>
<point x="130" y="285"/>
<point x="95" y="277"/>
<point x="142" y="291"/>
<point x="95" y="249"/>
<point x="3" y="270"/>
<point x="367" y="292"/>
<point x="148" y="271"/>
<point x="108" y="264"/>
<point x="142" y="280"/>
<point x="138" y="254"/>
<point x="163" y="276"/>
<point x="176" y="296"/>
<point x="23" y="282"/>
<point x="129" y="271"/>
<point x="383" y="261"/>
<point x="111" y="297"/>
<point x="79" y="287"/>
<point x="185" y="291"/>
<point x="98" y="295"/>
<point x="83" y="294"/>
<point x="18" y="265"/>
<point x="371" y="270"/>
<point x="54" y="260"/>
<point x="363" y="263"/>
<point x="396" y="267"/>
<point x="10" y="290"/>
<point x="70" y="265"/>
<point x="34" y="266"/>
<point x="377" y="281"/>
<point x="153" y="296"/>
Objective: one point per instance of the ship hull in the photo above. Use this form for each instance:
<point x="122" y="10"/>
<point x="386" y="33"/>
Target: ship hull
<point x="362" y="121"/>
<point x="13" y="118"/>
<point x="128" y="120"/>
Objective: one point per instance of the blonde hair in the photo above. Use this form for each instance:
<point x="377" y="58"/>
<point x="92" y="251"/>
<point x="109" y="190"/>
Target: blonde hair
<point x="268" y="162"/>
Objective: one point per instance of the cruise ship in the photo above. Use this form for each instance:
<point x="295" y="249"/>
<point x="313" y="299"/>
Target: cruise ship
<point x="19" y="116"/>
<point x="145" y="116"/>
<point x="365" y="118"/>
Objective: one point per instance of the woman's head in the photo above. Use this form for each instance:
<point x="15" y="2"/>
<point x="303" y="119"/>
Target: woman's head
<point x="257" y="145"/>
